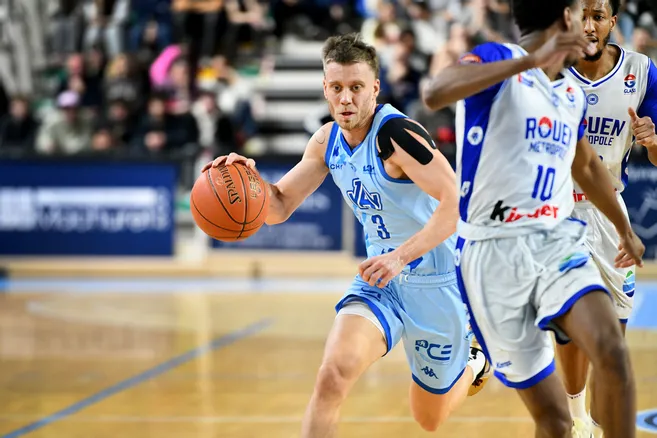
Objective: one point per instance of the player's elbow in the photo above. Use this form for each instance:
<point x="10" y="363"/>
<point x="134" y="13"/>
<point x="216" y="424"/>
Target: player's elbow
<point x="434" y="94"/>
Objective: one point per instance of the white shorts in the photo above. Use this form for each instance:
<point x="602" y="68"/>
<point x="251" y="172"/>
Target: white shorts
<point x="514" y="288"/>
<point x="602" y="241"/>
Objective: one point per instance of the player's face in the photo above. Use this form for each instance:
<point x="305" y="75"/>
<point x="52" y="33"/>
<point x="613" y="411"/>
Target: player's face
<point x="574" y="24"/>
<point x="598" y="24"/>
<point x="351" y="92"/>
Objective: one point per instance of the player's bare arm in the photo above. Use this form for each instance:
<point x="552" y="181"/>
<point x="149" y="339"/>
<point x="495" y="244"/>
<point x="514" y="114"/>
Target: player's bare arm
<point x="300" y="182"/>
<point x="592" y="176"/>
<point x="464" y="80"/>
<point x="643" y="129"/>
<point x="411" y="155"/>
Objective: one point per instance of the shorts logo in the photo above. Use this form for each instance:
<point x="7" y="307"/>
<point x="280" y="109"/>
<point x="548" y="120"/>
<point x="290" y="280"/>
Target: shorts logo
<point x="475" y="135"/>
<point x="573" y="261"/>
<point x="433" y="352"/>
<point x="628" y="285"/>
<point x="647" y="420"/>
<point x="429" y="372"/>
<point x="592" y="99"/>
<point x="457" y="257"/>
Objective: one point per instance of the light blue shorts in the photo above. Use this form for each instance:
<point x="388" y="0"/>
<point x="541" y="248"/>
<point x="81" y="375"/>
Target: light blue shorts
<point x="429" y="314"/>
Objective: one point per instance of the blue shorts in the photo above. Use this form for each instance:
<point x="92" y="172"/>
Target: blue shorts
<point x="429" y="314"/>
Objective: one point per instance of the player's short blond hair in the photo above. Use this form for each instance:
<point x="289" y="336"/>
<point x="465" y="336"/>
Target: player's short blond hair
<point x="350" y="49"/>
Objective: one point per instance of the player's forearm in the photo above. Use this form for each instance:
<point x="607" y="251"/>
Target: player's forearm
<point x="278" y="210"/>
<point x="594" y="179"/>
<point x="460" y="81"/>
<point x="440" y="227"/>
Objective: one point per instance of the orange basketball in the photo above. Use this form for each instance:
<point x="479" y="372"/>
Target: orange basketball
<point x="229" y="202"/>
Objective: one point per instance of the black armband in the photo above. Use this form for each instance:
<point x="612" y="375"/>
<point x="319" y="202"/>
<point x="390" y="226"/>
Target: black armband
<point x="397" y="129"/>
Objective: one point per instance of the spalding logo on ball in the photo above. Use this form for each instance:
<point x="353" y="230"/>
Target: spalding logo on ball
<point x="229" y="203"/>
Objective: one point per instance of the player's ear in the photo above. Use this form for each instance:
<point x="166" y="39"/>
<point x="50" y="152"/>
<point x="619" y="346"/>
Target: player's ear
<point x="568" y="19"/>
<point x="377" y="88"/>
<point x="614" y="19"/>
<point x="324" y="85"/>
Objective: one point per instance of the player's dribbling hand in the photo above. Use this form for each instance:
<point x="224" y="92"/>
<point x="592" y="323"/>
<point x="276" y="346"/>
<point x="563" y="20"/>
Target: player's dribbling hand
<point x="230" y="159"/>
<point x="378" y="271"/>
<point x="631" y="251"/>
<point x="643" y="129"/>
<point x="561" y="46"/>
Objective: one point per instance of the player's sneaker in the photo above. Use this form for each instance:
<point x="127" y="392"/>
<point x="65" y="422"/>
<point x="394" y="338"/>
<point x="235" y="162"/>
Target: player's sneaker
<point x="581" y="429"/>
<point x="477" y="355"/>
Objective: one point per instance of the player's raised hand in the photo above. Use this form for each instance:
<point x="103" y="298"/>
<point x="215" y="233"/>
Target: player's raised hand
<point x="379" y="270"/>
<point x="630" y="251"/>
<point x="643" y="129"/>
<point x="561" y="46"/>
<point x="230" y="159"/>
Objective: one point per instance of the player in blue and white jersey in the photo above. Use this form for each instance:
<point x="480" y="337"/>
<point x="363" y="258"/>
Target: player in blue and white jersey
<point x="403" y="191"/>
<point x="522" y="264"/>
<point x="621" y="89"/>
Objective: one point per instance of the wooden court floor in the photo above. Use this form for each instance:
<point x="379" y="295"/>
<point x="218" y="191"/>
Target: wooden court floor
<point x="187" y="360"/>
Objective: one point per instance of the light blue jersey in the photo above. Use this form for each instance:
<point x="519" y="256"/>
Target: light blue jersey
<point x="390" y="210"/>
<point x="422" y="305"/>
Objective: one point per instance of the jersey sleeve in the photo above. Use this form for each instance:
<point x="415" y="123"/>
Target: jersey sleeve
<point x="484" y="54"/>
<point x="648" y="107"/>
<point x="582" y="124"/>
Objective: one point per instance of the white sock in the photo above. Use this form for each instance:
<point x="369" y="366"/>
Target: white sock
<point x="577" y="406"/>
<point x="477" y="363"/>
<point x="596" y="429"/>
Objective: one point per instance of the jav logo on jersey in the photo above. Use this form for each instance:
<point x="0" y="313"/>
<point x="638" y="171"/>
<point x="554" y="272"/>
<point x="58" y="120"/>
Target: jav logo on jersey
<point x="475" y="135"/>
<point x="360" y="196"/>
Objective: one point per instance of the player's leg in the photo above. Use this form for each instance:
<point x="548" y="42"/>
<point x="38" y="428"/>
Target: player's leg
<point x="498" y="298"/>
<point x="437" y="343"/>
<point x="591" y="323"/>
<point x="364" y="330"/>
<point x="596" y="409"/>
<point x="575" y="371"/>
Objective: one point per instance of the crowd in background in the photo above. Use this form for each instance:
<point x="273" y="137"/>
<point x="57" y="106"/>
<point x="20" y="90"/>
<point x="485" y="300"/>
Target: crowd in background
<point x="148" y="77"/>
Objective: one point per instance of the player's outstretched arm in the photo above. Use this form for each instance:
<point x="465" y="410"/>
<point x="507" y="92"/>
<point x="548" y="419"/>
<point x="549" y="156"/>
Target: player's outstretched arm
<point x="484" y="68"/>
<point x="592" y="176"/>
<point x="419" y="161"/>
<point x="302" y="180"/>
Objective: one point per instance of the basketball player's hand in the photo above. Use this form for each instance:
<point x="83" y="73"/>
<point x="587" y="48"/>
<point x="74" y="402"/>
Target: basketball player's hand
<point x="230" y="159"/>
<point x="631" y="251"/>
<point x="643" y="129"/>
<point x="561" y="46"/>
<point x="379" y="270"/>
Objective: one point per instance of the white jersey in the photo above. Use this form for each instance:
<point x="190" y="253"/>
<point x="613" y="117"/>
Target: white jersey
<point x="516" y="143"/>
<point x="631" y="83"/>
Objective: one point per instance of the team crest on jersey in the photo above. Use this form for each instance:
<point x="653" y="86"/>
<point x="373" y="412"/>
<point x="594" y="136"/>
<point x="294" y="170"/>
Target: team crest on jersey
<point x="592" y="99"/>
<point x="630" y="84"/>
<point x="475" y="135"/>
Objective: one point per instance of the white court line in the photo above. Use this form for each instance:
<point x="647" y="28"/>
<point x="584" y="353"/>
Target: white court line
<point x="252" y="419"/>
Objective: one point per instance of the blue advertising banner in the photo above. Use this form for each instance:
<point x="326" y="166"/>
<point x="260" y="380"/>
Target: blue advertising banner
<point x="86" y="208"/>
<point x="640" y="196"/>
<point x="316" y="225"/>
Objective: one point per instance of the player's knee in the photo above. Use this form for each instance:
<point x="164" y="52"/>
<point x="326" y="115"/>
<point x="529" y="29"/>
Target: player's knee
<point x="335" y="377"/>
<point x="556" y="427"/>
<point x="429" y="421"/>
<point x="612" y="355"/>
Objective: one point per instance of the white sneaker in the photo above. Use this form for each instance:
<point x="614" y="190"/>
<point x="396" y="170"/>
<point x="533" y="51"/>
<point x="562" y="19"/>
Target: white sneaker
<point x="581" y="429"/>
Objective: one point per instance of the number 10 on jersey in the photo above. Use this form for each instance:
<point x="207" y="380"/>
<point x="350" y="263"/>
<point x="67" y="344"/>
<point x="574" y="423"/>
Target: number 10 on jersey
<point x="544" y="183"/>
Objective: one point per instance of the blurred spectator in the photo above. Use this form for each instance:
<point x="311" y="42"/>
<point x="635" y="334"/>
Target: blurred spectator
<point x="16" y="58"/>
<point x="106" y="21"/>
<point x="66" y="130"/>
<point x="152" y="25"/>
<point x="122" y="83"/>
<point x="643" y="42"/>
<point x="84" y="79"/>
<point x="103" y="141"/>
<point x="66" y="28"/>
<point x="18" y="129"/>
<point x="199" y="24"/>
<point x="216" y="130"/>
<point x="119" y="121"/>
<point x="246" y="24"/>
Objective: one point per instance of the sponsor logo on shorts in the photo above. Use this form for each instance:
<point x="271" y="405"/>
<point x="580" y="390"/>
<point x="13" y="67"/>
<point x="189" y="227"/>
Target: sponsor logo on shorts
<point x="500" y="365"/>
<point x="573" y="261"/>
<point x="508" y="214"/>
<point x="434" y="352"/>
<point x="628" y="285"/>
<point x="647" y="420"/>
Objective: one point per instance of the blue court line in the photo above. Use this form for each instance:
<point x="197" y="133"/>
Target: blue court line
<point x="162" y="368"/>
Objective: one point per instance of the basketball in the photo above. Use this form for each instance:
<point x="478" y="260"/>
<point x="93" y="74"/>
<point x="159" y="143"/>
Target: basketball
<point x="229" y="203"/>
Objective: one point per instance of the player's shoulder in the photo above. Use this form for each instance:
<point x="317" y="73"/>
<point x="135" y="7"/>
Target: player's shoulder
<point x="321" y="139"/>
<point x="632" y="58"/>
<point x="490" y="52"/>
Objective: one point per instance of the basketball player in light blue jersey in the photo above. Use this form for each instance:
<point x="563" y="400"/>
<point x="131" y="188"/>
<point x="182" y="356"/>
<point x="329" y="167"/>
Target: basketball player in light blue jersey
<point x="621" y="90"/>
<point x="522" y="262"/>
<point x="403" y="192"/>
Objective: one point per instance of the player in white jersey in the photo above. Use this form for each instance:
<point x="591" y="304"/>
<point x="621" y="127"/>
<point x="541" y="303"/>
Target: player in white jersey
<point x="521" y="261"/>
<point x="403" y="192"/>
<point x="621" y="89"/>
